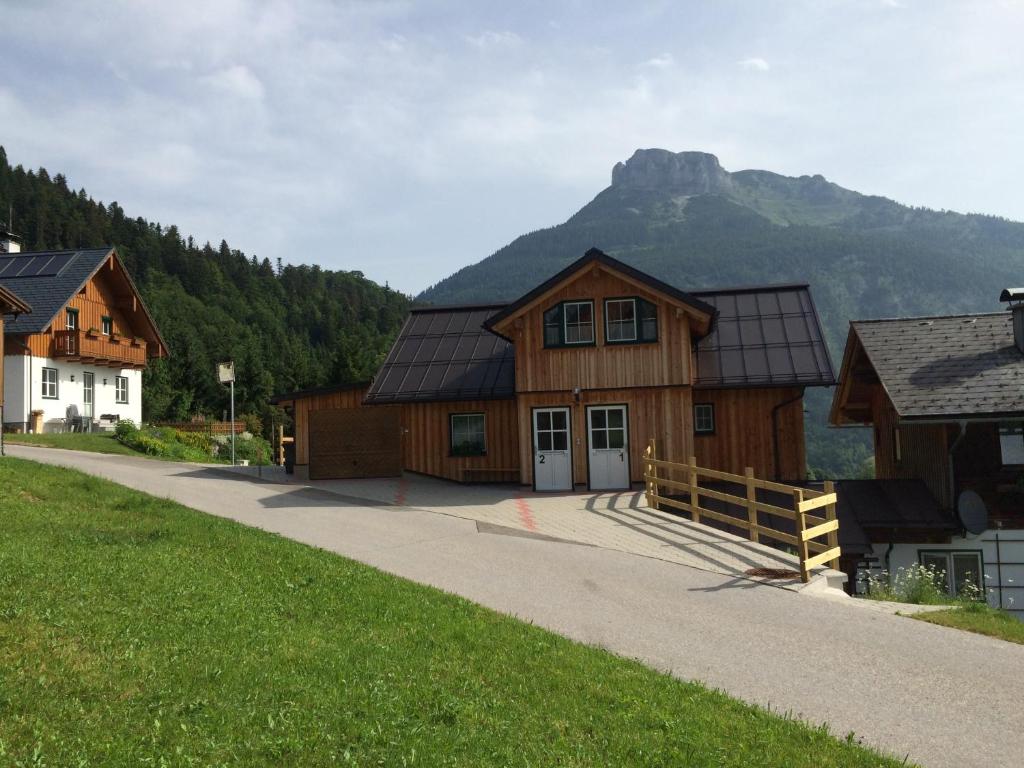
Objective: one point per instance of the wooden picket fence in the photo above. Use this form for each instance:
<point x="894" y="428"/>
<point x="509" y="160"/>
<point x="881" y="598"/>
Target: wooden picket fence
<point x="685" y="481"/>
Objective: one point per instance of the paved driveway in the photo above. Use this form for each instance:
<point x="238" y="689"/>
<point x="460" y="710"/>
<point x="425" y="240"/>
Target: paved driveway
<point x="943" y="697"/>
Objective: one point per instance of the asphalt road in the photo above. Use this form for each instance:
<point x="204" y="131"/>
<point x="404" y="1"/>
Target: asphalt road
<point x="940" y="696"/>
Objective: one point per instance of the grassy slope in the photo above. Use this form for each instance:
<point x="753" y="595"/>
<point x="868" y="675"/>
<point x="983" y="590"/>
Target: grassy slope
<point x="981" y="619"/>
<point x="136" y="631"/>
<point x="95" y="442"/>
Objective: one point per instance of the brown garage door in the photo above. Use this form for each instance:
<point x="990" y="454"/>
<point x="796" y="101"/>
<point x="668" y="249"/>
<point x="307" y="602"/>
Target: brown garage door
<point x="355" y="442"/>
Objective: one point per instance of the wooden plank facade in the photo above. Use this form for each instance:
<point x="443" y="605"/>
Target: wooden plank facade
<point x="648" y="379"/>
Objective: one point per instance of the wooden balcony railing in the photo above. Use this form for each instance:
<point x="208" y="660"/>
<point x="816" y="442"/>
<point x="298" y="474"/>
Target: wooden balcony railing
<point x="101" y="350"/>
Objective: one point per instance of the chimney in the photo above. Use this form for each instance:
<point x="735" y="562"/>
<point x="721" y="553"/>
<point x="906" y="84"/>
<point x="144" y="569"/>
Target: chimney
<point x="9" y="242"/>
<point x="1015" y="297"/>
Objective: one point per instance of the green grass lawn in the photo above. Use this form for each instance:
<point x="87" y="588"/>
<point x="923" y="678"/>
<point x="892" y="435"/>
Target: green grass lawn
<point x="96" y="442"/>
<point x="981" y="619"/>
<point x="134" y="631"/>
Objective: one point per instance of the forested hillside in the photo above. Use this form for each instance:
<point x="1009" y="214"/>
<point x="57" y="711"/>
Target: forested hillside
<point x="285" y="326"/>
<point x="686" y="220"/>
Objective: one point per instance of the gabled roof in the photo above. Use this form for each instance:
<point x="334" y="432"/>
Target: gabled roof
<point x="940" y="368"/>
<point x="600" y="257"/>
<point x="445" y="353"/>
<point x="48" y="280"/>
<point x="764" y="336"/>
<point x="11" y="304"/>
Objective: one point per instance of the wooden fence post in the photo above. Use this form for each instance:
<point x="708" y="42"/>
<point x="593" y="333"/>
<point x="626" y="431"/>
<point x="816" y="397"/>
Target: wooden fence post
<point x="830" y="514"/>
<point x="748" y="473"/>
<point x="694" y="495"/>
<point x="801" y="525"/>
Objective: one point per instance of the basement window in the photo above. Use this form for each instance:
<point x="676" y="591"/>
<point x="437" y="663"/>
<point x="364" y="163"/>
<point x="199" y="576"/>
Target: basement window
<point x="704" y="418"/>
<point x="467" y="434"/>
<point x="1011" y="443"/>
<point x="955" y="568"/>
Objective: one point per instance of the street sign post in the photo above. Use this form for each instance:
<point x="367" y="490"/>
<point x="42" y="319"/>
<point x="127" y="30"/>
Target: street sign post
<point x="226" y="375"/>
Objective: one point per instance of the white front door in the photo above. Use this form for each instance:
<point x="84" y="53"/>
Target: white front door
<point x="552" y="450"/>
<point x="608" y="442"/>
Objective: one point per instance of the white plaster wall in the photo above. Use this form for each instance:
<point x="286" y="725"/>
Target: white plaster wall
<point x="18" y="404"/>
<point x="15" y="378"/>
<point x="1003" y="568"/>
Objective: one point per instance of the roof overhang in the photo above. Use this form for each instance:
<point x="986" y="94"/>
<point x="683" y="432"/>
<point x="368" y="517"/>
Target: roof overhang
<point x="843" y="408"/>
<point x="11" y="304"/>
<point x="289" y="397"/>
<point x="700" y="314"/>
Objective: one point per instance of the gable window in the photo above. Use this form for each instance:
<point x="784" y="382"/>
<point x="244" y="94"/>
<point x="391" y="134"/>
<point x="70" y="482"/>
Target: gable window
<point x="121" y="389"/>
<point x="955" y="569"/>
<point x="569" y="323"/>
<point x="106" y="325"/>
<point x="467" y="434"/>
<point x="619" y="320"/>
<point x="49" y="383"/>
<point x="1011" y="443"/>
<point x="71" y="321"/>
<point x="578" y="317"/>
<point x="704" y="418"/>
<point x="630" y="320"/>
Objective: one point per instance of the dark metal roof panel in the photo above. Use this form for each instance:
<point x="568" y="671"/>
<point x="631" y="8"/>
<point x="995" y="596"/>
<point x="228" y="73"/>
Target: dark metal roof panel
<point x="46" y="280"/>
<point x="768" y="336"/>
<point x="947" y="367"/>
<point x="444" y="354"/>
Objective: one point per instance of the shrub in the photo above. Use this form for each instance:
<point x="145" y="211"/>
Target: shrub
<point x="198" y="440"/>
<point x="253" y="423"/>
<point x="124" y="429"/>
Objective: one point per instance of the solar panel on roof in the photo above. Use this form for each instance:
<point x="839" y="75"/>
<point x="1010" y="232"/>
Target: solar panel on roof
<point x="34" y="265"/>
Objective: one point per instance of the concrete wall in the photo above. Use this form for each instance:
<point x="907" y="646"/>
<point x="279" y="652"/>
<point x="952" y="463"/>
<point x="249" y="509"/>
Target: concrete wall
<point x="1004" y="568"/>
<point x="22" y="396"/>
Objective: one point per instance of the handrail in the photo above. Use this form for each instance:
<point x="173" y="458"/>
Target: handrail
<point x="808" y="527"/>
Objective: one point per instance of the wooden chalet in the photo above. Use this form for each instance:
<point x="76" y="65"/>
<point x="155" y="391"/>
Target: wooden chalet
<point x="564" y="387"/>
<point x="85" y="343"/>
<point x="944" y="397"/>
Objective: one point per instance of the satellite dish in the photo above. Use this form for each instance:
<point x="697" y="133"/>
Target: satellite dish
<point x="972" y="512"/>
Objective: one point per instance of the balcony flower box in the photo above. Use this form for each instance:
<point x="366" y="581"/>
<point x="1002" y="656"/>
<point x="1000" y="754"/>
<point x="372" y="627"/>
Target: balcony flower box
<point x="138" y="341"/>
<point x="93" y="333"/>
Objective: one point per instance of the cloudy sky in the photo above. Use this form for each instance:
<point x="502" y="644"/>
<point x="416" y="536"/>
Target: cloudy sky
<point x="408" y="139"/>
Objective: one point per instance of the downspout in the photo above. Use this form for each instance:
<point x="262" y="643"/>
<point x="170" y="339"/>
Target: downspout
<point x="775" y="431"/>
<point x="952" y="474"/>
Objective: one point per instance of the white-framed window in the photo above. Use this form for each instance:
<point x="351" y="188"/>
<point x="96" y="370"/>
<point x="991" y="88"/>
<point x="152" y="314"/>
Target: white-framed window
<point x="71" y="319"/>
<point x="1011" y="443"/>
<point x="121" y="389"/>
<point x="467" y="434"/>
<point x="578" y="320"/>
<point x="704" y="418"/>
<point x="49" y="380"/>
<point x="956" y="568"/>
<point x="620" y="320"/>
<point x="106" y="325"/>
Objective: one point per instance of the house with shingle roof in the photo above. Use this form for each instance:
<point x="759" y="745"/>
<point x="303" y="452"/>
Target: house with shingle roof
<point x="944" y="397"/>
<point x="78" y="356"/>
<point x="563" y="388"/>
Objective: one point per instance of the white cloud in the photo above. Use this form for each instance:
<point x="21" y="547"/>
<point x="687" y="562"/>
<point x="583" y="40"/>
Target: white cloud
<point x="238" y="81"/>
<point x="662" y="61"/>
<point x="492" y="39"/>
<point x="754" y="64"/>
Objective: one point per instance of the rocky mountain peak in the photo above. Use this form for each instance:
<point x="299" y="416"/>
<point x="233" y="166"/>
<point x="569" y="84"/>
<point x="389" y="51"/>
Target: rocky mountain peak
<point x="688" y="173"/>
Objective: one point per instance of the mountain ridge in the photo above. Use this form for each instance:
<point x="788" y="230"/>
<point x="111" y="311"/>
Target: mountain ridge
<point x="686" y="220"/>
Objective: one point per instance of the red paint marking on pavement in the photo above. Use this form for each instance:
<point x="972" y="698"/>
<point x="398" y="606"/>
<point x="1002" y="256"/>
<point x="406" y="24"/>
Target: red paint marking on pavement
<point x="525" y="514"/>
<point x="401" y="493"/>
